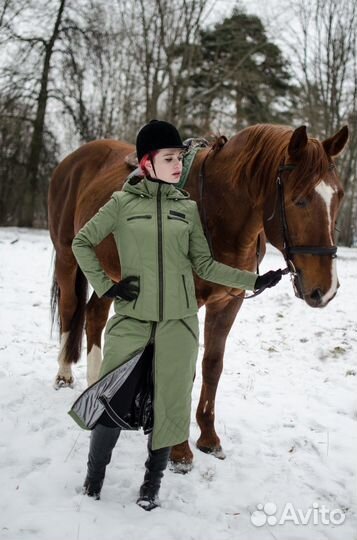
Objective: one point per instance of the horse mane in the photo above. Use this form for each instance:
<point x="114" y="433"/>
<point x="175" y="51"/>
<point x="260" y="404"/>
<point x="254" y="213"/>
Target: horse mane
<point x="264" y="149"/>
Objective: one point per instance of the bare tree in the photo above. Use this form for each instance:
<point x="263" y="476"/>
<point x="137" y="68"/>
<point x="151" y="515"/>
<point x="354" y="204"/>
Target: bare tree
<point x="37" y="37"/>
<point x="31" y="188"/>
<point x="325" y="51"/>
<point x="180" y="45"/>
<point x="161" y="38"/>
<point x="98" y="89"/>
<point x="9" y="10"/>
<point x="16" y="127"/>
<point x="40" y="46"/>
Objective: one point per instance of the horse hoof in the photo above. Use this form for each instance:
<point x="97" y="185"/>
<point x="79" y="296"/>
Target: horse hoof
<point x="63" y="382"/>
<point x="180" y="467"/>
<point x="215" y="451"/>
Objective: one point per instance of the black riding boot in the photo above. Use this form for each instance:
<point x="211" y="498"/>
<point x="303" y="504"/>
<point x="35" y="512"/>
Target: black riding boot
<point x="155" y="465"/>
<point x="102" y="442"/>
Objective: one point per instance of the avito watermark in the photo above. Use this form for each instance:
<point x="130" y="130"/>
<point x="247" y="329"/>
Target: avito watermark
<point x="316" y="514"/>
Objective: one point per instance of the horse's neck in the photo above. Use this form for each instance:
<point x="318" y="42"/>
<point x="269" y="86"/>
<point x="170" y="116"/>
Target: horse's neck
<point x="232" y="222"/>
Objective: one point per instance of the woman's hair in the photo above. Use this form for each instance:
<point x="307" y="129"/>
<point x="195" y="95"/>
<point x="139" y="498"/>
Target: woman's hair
<point x="150" y="156"/>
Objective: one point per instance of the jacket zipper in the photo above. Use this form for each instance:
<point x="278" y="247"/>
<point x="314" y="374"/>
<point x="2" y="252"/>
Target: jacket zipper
<point x="160" y="257"/>
<point x="152" y="333"/>
<point x="152" y="340"/>
<point x="184" y="286"/>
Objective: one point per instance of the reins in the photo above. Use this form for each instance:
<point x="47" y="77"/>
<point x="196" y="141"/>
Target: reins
<point x="201" y="185"/>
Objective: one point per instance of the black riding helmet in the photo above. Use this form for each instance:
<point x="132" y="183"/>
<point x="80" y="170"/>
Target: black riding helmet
<point x="157" y="135"/>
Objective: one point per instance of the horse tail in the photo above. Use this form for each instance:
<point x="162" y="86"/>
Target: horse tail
<point x="55" y="295"/>
<point x="73" y="345"/>
<point x="74" y="341"/>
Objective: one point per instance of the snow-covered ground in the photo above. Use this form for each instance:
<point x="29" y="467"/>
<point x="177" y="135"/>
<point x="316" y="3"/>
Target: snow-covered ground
<point x="286" y="415"/>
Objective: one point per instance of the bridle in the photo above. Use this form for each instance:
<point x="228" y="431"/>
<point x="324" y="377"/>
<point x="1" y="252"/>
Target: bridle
<point x="288" y="250"/>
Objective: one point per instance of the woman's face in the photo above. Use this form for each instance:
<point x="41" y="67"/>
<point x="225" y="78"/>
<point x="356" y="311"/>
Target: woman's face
<point x="167" y="165"/>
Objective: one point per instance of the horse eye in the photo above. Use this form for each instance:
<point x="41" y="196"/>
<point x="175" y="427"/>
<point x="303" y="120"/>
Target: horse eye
<point x="301" y="203"/>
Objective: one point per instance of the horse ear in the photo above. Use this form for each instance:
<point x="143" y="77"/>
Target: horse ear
<point x="334" y="145"/>
<point x="297" y="142"/>
<point x="219" y="143"/>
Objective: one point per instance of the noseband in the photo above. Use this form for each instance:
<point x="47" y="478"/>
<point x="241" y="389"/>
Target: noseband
<point x="290" y="250"/>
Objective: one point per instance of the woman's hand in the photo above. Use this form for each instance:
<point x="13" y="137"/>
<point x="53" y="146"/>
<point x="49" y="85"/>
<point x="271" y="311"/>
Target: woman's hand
<point x="270" y="279"/>
<point x="125" y="289"/>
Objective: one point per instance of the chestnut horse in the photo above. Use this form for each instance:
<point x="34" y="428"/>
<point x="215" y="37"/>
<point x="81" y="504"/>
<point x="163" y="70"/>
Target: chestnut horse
<point x="266" y="179"/>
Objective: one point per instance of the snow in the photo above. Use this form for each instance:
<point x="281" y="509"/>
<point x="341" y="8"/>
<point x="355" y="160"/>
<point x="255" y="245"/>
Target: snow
<point x="286" y="413"/>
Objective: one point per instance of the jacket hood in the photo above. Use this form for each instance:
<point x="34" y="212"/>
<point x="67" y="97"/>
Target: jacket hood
<point x="145" y="188"/>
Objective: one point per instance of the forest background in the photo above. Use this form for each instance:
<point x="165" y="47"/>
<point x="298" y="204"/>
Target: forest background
<point x="72" y="72"/>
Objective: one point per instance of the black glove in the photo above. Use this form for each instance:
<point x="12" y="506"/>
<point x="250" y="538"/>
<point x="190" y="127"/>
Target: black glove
<point x="125" y="289"/>
<point x="270" y="279"/>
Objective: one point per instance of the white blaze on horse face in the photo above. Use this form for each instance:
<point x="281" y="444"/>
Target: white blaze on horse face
<point x="94" y="361"/>
<point x="326" y="193"/>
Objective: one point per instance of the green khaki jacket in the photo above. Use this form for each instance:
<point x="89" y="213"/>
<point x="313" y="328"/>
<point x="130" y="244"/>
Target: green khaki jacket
<point x="159" y="237"/>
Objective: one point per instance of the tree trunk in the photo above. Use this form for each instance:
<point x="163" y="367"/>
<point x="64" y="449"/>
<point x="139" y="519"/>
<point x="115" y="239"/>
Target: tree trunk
<point x="30" y="193"/>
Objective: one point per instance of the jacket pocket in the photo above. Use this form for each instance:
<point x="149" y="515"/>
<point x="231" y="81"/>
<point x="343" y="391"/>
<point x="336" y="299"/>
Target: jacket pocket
<point x="139" y="216"/>
<point x="116" y="323"/>
<point x="185" y="289"/>
<point x="189" y="329"/>
<point x="177" y="218"/>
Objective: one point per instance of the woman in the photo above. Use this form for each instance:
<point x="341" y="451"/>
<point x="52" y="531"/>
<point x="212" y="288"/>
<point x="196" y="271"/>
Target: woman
<point x="151" y="343"/>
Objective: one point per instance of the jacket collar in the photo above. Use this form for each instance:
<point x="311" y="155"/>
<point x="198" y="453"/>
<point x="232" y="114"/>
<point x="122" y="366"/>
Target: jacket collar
<point x="145" y="188"/>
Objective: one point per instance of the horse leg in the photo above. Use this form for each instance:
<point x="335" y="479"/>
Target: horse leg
<point x="96" y="317"/>
<point x="181" y="458"/>
<point x="65" y="277"/>
<point x="218" y="323"/>
<point x="69" y="293"/>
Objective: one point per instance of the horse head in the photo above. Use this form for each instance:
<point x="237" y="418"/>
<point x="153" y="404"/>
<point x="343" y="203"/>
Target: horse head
<point x="300" y="213"/>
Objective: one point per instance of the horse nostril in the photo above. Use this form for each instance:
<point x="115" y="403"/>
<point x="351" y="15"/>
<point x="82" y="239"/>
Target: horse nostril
<point x="316" y="295"/>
